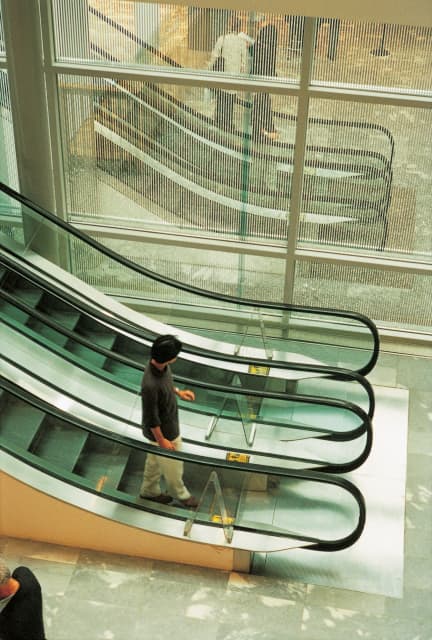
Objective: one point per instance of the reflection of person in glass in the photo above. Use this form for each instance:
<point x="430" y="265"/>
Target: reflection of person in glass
<point x="233" y="49"/>
<point x="264" y="64"/>
<point x="296" y="32"/>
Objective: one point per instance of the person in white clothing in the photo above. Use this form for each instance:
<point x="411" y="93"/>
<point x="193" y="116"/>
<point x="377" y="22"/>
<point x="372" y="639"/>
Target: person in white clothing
<point x="232" y="48"/>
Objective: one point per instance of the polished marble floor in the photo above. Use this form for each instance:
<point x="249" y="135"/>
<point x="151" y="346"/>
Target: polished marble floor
<point x="90" y="595"/>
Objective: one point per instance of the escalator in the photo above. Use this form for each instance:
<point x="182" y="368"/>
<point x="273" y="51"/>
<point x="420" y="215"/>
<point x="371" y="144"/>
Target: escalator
<point x="326" y="513"/>
<point x="52" y="313"/>
<point x="329" y="405"/>
<point x="59" y="334"/>
<point x="283" y="376"/>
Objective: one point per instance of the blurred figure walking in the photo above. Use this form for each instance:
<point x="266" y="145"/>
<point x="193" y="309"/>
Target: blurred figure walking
<point x="230" y="54"/>
<point x="264" y="64"/>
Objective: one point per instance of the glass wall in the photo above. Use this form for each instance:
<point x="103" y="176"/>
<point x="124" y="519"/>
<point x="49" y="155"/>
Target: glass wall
<point x="382" y="188"/>
<point x="370" y="55"/>
<point x="8" y="164"/>
<point x="268" y="135"/>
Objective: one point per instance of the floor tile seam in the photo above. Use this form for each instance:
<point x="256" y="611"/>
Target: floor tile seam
<point x="65" y="599"/>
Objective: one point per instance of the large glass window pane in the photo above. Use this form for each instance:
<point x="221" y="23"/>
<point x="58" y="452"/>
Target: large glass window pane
<point x="245" y="275"/>
<point x="178" y="37"/>
<point x="373" y="55"/>
<point x="392" y="299"/>
<point x="140" y="154"/>
<point x="175" y="157"/>
<point x="8" y="163"/>
<point x="380" y="184"/>
<point x="10" y="222"/>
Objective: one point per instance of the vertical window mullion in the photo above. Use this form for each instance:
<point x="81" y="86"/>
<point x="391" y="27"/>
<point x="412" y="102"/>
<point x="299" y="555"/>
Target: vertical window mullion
<point x="299" y="157"/>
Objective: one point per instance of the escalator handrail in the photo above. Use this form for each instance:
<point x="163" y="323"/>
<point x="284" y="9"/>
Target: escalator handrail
<point x="325" y="466"/>
<point x="223" y="389"/>
<point x="243" y="302"/>
<point x="337" y="373"/>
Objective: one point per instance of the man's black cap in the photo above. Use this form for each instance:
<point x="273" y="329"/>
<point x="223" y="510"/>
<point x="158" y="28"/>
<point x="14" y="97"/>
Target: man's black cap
<point x="165" y="348"/>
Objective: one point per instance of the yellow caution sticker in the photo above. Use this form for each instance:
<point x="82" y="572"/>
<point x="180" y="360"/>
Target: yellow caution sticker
<point x="232" y="456"/>
<point x="228" y="520"/>
<point x="259" y="370"/>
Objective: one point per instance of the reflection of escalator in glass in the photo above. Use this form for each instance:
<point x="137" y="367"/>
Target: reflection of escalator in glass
<point x="192" y="117"/>
<point x="155" y="145"/>
<point x="268" y="335"/>
<point x="338" y="181"/>
<point x="83" y="457"/>
<point x="268" y="419"/>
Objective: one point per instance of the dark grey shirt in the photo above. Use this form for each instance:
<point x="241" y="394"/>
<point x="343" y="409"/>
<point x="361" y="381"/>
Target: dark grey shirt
<point x="159" y="403"/>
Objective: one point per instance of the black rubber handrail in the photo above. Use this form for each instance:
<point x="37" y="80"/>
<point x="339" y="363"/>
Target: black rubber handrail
<point x="325" y="466"/>
<point x="240" y="302"/>
<point x="364" y="428"/>
<point x="316" y="544"/>
<point x="82" y="308"/>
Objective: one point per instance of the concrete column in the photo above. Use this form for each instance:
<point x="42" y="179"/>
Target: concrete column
<point x="28" y="100"/>
<point x="30" y="115"/>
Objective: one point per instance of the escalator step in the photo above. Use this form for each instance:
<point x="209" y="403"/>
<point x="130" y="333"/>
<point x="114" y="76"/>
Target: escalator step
<point x="30" y="296"/>
<point x="105" y="340"/>
<point x="52" y="304"/>
<point x="133" y="472"/>
<point x="14" y="281"/>
<point x="47" y="333"/>
<point x="65" y="319"/>
<point x="19" y="421"/>
<point x="59" y="443"/>
<point x="123" y="372"/>
<point x="92" y="358"/>
<point x="90" y="326"/>
<point x="9" y="311"/>
<point x="95" y="332"/>
<point x="102" y="462"/>
<point x="131" y="349"/>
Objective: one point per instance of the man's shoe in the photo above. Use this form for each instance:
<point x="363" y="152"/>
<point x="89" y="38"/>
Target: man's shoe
<point x="163" y="498"/>
<point x="190" y="502"/>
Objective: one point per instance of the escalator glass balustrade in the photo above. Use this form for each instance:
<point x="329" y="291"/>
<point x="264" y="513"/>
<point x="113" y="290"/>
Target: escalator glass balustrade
<point x="274" y="335"/>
